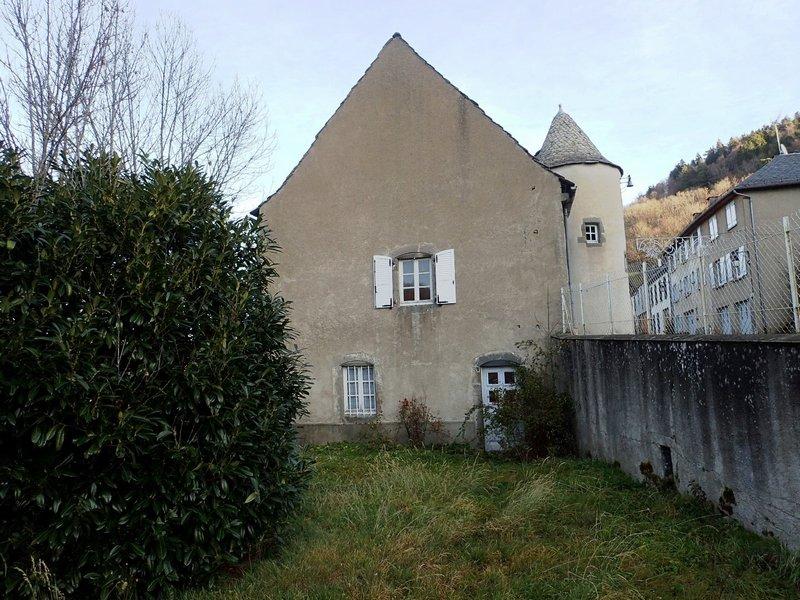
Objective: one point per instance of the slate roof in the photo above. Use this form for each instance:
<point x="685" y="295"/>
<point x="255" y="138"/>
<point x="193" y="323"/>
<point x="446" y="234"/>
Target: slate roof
<point x="567" y="144"/>
<point x="781" y="171"/>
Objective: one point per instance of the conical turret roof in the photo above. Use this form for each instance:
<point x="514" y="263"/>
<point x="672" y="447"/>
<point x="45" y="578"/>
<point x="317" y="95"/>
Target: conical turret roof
<point x="567" y="144"/>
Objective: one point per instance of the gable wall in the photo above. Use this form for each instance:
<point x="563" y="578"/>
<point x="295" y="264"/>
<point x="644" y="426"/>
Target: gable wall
<point x="408" y="161"/>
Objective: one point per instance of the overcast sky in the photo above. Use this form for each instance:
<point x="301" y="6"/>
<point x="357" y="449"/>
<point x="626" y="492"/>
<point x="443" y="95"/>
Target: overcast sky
<point x="649" y="82"/>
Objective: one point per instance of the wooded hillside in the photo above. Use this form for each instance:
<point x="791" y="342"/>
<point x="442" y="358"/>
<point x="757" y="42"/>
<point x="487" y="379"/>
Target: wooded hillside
<point x="668" y="206"/>
<point x="738" y="158"/>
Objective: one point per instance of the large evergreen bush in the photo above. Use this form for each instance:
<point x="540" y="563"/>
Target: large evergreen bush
<point x="146" y="390"/>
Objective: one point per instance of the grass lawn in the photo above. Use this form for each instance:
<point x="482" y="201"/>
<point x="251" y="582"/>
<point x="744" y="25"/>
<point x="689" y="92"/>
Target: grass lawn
<point x="437" y="524"/>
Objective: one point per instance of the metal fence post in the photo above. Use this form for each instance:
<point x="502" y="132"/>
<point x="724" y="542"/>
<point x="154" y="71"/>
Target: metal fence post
<point x="646" y="287"/>
<point x="610" y="312"/>
<point x="580" y="299"/>
<point x="792" y="273"/>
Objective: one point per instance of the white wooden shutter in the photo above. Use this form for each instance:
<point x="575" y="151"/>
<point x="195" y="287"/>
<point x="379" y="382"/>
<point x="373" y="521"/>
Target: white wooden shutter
<point x="445" y="262"/>
<point x="742" y="262"/>
<point x="382" y="275"/>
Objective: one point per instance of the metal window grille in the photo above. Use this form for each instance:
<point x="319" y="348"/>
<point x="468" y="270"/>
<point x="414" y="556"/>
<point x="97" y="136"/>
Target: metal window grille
<point x="359" y="391"/>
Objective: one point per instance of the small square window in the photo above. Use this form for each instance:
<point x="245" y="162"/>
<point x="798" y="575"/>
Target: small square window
<point x="510" y="377"/>
<point x="591" y="232"/>
<point x="493" y="377"/>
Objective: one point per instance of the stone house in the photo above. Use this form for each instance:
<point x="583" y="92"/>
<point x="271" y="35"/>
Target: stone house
<point x="422" y="244"/>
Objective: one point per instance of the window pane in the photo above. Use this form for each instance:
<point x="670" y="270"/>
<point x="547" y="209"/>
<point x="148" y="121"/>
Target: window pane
<point x="424" y="293"/>
<point x="493" y="377"/>
<point x="509" y="377"/>
<point x="424" y="280"/>
<point x="424" y="265"/>
<point x="408" y="294"/>
<point x="408" y="266"/>
<point x="408" y="280"/>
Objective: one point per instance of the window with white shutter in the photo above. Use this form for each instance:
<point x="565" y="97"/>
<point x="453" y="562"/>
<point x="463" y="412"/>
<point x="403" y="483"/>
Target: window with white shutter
<point x="730" y="214"/>
<point x="713" y="230"/>
<point x="382" y="276"/>
<point x="415" y="277"/>
<point x="445" y="267"/>
<point x="741" y="262"/>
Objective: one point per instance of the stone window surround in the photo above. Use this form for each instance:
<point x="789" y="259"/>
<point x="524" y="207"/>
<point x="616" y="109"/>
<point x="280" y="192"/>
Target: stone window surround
<point x="350" y="360"/>
<point x="601" y="232"/>
<point x="411" y="251"/>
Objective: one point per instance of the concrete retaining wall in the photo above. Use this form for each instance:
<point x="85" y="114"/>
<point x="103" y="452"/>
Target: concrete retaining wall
<point x="721" y="413"/>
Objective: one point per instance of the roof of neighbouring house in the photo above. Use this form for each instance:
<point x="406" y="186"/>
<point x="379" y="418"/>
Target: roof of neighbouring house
<point x="782" y="170"/>
<point x="567" y="144"/>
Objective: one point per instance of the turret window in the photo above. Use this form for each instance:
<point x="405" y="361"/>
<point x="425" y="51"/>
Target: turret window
<point x="591" y="232"/>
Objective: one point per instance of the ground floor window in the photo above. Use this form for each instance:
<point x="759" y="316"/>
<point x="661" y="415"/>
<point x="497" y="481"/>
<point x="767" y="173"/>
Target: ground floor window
<point x="725" y="320"/>
<point x="745" y="313"/>
<point x="359" y="390"/>
<point x="691" y="321"/>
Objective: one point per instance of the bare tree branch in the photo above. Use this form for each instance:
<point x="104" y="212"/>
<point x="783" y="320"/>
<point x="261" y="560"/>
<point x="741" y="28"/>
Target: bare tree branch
<point x="75" y="74"/>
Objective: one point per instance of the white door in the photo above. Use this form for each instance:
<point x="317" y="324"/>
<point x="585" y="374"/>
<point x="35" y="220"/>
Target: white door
<point x="493" y="381"/>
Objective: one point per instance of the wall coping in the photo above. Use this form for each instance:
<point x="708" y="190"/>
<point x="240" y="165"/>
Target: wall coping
<point x="773" y="338"/>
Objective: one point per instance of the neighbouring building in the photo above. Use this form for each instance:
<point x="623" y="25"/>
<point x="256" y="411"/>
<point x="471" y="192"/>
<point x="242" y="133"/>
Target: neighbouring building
<point x="729" y="269"/>
<point x="422" y="244"/>
<point x="652" y="304"/>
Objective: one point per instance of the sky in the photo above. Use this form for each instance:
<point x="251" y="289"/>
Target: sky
<point x="650" y="82"/>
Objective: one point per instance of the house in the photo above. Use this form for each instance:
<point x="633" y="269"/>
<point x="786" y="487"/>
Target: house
<point x="421" y="244"/>
<point x="728" y="269"/>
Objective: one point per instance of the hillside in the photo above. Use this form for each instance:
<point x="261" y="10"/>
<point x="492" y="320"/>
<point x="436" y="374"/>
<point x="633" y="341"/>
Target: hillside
<point x="668" y="206"/>
<point x="666" y="217"/>
<point x="738" y="158"/>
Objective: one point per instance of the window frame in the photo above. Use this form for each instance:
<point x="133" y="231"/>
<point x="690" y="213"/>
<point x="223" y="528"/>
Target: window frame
<point x="730" y="210"/>
<point x="361" y="409"/>
<point x="713" y="232"/>
<point x="738" y="306"/>
<point x="596" y="233"/>
<point x="401" y="274"/>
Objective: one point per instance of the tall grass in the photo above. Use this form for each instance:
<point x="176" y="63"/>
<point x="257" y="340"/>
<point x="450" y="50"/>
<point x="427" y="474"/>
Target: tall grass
<point x="430" y="524"/>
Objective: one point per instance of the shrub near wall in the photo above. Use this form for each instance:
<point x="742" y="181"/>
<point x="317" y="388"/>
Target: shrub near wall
<point x="147" y="391"/>
<point x="536" y="419"/>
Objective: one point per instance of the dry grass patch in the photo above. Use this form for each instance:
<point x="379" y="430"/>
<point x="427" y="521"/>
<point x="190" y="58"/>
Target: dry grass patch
<point x="423" y="524"/>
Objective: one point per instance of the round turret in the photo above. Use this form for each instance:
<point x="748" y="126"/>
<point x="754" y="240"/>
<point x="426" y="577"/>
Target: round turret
<point x="595" y="225"/>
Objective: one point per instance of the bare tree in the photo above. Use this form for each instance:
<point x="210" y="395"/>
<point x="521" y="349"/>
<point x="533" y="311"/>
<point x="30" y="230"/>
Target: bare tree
<point x="52" y="71"/>
<point x="76" y="74"/>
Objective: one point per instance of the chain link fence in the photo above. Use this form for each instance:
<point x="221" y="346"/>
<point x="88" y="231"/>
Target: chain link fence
<point x="742" y="281"/>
